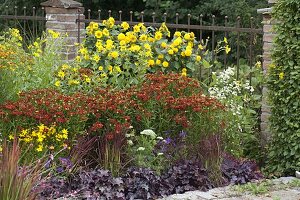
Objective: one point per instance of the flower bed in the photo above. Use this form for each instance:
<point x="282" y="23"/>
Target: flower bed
<point x="127" y="119"/>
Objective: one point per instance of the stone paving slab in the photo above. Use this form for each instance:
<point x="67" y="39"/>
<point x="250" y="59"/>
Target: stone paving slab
<point x="226" y="193"/>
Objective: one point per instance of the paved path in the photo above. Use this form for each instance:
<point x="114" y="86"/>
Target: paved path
<point x="281" y="189"/>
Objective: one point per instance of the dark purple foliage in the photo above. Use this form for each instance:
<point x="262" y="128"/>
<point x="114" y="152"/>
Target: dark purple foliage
<point x="187" y="176"/>
<point x="141" y="183"/>
<point x="238" y="171"/>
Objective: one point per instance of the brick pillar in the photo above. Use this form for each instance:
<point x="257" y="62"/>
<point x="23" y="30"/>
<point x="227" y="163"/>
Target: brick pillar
<point x="268" y="37"/>
<point x="62" y="17"/>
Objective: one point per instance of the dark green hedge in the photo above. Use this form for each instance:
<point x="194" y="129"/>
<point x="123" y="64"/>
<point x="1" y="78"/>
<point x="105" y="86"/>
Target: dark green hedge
<point x="284" y="88"/>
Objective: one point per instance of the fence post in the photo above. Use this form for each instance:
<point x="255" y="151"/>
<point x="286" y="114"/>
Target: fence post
<point x="62" y="16"/>
<point x="268" y="37"/>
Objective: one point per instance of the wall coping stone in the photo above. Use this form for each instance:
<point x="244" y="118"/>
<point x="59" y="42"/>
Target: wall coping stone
<point x="62" y="4"/>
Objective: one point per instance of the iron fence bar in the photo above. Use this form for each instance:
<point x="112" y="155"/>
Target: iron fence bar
<point x="109" y="13"/>
<point x="142" y="16"/>
<point x="189" y="22"/>
<point x="213" y="39"/>
<point x="34" y="22"/>
<point x="251" y="51"/>
<point x="185" y="26"/>
<point x="226" y="36"/>
<point x="99" y="15"/>
<point x="89" y="13"/>
<point x="13" y="17"/>
<point x="176" y="21"/>
<point x="238" y="49"/>
<point x="201" y="25"/>
<point x="15" y="13"/>
<point x="120" y="15"/>
<point x="153" y="18"/>
<point x="24" y="21"/>
<point x="165" y="17"/>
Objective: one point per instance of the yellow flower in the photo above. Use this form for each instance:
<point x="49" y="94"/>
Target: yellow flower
<point x="147" y="46"/>
<point x="11" y="137"/>
<point x="143" y="37"/>
<point x="182" y="54"/>
<point x="165" y="64"/>
<point x="158" y="62"/>
<point x="183" y="72"/>
<point x="164" y="45"/>
<point x="158" y="35"/>
<point x="51" y="147"/>
<point x="61" y="74"/>
<point x="87" y="79"/>
<point x="198" y="58"/>
<point x="105" y="32"/>
<point x="114" y="54"/>
<point x="225" y="40"/>
<point x="160" y="56"/>
<point x="95" y="26"/>
<point x="258" y="64"/>
<point x="136" y="29"/>
<point x="125" y="26"/>
<point x="227" y="49"/>
<point x="188" y="52"/>
<point x="117" y="69"/>
<point x="96" y="58"/>
<point x="100" y="68"/>
<point x="57" y="83"/>
<point x="177" y="34"/>
<point x="121" y="37"/>
<point x="187" y="36"/>
<point x="150" y="62"/>
<point x="40" y="148"/>
<point x="177" y="41"/>
<point x="110" y="68"/>
<point x="200" y="47"/>
<point x="65" y="66"/>
<point x="98" y="34"/>
<point x="281" y="75"/>
<point x="171" y="52"/>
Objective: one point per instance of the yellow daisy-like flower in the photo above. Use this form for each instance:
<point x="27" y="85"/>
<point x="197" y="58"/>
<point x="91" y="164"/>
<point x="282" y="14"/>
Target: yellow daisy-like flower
<point x="98" y="34"/>
<point x="227" y="49"/>
<point x="121" y="37"/>
<point x="171" y="52"/>
<point x="100" y="68"/>
<point x="281" y="75"/>
<point x="150" y="62"/>
<point x="57" y="83"/>
<point x="165" y="64"/>
<point x="125" y="26"/>
<point x="187" y="36"/>
<point x="160" y="56"/>
<point x="114" y="54"/>
<point x="198" y="58"/>
<point x="61" y="74"/>
<point x="177" y="34"/>
<point x="158" y="62"/>
<point x="188" y="52"/>
<point x="39" y="148"/>
<point x="183" y="72"/>
<point x="164" y="45"/>
<point x="87" y="79"/>
<point x="158" y="35"/>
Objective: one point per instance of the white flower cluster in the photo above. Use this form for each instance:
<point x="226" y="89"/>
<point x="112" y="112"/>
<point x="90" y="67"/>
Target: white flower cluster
<point x="149" y="132"/>
<point x="226" y="88"/>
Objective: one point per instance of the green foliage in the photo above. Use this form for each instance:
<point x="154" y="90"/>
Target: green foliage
<point x="283" y="84"/>
<point x="24" y="70"/>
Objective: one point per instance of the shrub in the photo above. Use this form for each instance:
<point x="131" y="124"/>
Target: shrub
<point x="283" y="84"/>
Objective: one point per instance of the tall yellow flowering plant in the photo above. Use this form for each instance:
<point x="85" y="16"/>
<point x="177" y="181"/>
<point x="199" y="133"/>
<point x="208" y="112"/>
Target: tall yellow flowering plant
<point x="120" y="56"/>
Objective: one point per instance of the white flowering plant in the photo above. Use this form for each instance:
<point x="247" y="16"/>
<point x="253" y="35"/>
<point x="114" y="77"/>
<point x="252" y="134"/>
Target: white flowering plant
<point x="141" y="147"/>
<point x="242" y="99"/>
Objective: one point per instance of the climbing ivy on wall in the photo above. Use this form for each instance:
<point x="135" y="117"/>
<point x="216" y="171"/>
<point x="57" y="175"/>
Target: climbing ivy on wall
<point x="284" y="90"/>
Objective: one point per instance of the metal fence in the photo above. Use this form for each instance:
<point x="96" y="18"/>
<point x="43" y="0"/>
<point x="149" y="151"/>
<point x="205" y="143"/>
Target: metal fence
<point x="245" y="42"/>
<point x="30" y="21"/>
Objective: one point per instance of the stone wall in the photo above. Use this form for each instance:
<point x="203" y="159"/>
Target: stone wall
<point x="62" y="17"/>
<point x="268" y="37"/>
